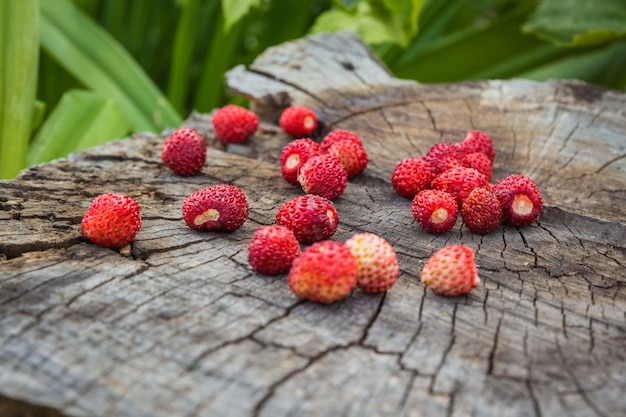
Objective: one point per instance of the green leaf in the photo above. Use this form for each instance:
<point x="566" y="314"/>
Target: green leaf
<point x="235" y="10"/>
<point x="578" y="22"/>
<point x="94" y="58"/>
<point x="19" y="54"/>
<point x="81" y="120"/>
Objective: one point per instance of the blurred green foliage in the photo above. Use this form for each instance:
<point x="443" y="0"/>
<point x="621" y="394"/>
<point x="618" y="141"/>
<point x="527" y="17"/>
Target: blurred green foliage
<point x="76" y="73"/>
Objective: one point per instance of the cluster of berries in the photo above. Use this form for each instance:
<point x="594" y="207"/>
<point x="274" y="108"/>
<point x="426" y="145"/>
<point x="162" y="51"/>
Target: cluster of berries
<point x="456" y="177"/>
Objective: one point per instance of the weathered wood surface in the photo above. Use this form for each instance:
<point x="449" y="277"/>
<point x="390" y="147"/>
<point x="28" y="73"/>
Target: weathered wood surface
<point x="180" y="325"/>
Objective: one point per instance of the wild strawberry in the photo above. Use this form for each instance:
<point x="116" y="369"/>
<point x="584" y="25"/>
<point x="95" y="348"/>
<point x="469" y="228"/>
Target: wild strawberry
<point x="435" y="210"/>
<point x="339" y="135"/>
<point x="411" y="176"/>
<point x="184" y="152"/>
<point x="520" y="200"/>
<point x="325" y="272"/>
<point x="234" y="124"/>
<point x="477" y="141"/>
<point x="481" y="211"/>
<point x="352" y="156"/>
<point x="298" y="121"/>
<point x="444" y="156"/>
<point x="294" y="155"/>
<point x="451" y="271"/>
<point x="311" y="218"/>
<point x="378" y="264"/>
<point x="112" y="220"/>
<point x="324" y="176"/>
<point x="272" y="249"/>
<point x="217" y="207"/>
<point x="481" y="163"/>
<point x="459" y="182"/>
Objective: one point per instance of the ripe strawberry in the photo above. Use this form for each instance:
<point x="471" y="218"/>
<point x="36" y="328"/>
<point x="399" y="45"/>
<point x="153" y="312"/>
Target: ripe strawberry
<point x="411" y="176"/>
<point x="325" y="272"/>
<point x="112" y="220"/>
<point x="520" y="200"/>
<point x="217" y="207"/>
<point x="184" y="152"/>
<point x="311" y="218"/>
<point x="477" y="141"/>
<point x="234" y="124"/>
<point x="294" y="155"/>
<point x="378" y="264"/>
<point x="298" y="121"/>
<point x="339" y="135"/>
<point x="352" y="156"/>
<point x="481" y="163"/>
<point x="435" y="210"/>
<point x="444" y="156"/>
<point x="324" y="176"/>
<point x="451" y="271"/>
<point x="481" y="211"/>
<point x="459" y="182"/>
<point x="272" y="249"/>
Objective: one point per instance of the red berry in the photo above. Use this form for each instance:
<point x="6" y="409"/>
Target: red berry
<point x="459" y="182"/>
<point x="325" y="272"/>
<point x="272" y="249"/>
<point x="520" y="200"/>
<point x="294" y="155"/>
<point x="436" y="211"/>
<point x="444" y="156"/>
<point x="298" y="121"/>
<point x="481" y="211"/>
<point x="477" y="141"/>
<point x="184" y="152"/>
<point x="234" y="124"/>
<point x="352" y="156"/>
<point x="339" y="135"/>
<point x="311" y="218"/>
<point x="217" y="207"/>
<point x="411" y="176"/>
<point x="378" y="264"/>
<point x="112" y="220"/>
<point x="481" y="163"/>
<point x="324" y="176"/>
<point x="451" y="271"/>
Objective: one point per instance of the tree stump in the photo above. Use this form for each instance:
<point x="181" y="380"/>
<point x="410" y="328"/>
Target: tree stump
<point x="179" y="324"/>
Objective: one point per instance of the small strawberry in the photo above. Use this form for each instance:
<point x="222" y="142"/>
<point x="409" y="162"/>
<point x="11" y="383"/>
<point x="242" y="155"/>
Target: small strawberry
<point x="112" y="220"/>
<point x="339" y="135"/>
<point x="481" y="211"/>
<point x="520" y="200"/>
<point x="378" y="264"/>
<point x="411" y="176"/>
<point x="311" y="218"/>
<point x="294" y="155"/>
<point x="298" y="121"/>
<point x="234" y="124"/>
<point x="324" y="176"/>
<point x="217" y="207"/>
<point x="459" y="182"/>
<point x="272" y="249"/>
<point x="435" y="210"/>
<point x="325" y="272"/>
<point x="184" y="152"/>
<point x="481" y="163"/>
<point x="444" y="156"/>
<point x="451" y="271"/>
<point x="352" y="156"/>
<point x="478" y="141"/>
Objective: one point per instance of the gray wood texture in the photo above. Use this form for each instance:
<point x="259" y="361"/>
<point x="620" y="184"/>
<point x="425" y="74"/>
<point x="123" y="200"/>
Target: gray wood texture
<point x="177" y="324"/>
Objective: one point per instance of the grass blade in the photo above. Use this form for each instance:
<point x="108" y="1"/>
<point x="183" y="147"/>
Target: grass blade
<point x="19" y="54"/>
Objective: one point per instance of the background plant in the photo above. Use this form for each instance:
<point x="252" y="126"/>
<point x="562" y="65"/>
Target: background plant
<point x="76" y="73"/>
